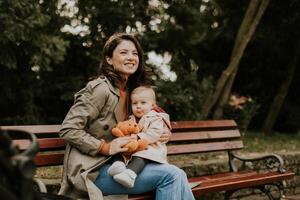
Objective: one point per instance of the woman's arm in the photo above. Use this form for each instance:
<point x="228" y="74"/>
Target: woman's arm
<point x="78" y="118"/>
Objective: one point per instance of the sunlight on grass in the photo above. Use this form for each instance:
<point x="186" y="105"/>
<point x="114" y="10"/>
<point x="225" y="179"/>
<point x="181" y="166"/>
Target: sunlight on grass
<point x="277" y="142"/>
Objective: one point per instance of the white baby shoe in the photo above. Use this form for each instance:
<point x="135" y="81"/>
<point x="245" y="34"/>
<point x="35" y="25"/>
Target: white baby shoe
<point x="116" y="168"/>
<point x="126" y="178"/>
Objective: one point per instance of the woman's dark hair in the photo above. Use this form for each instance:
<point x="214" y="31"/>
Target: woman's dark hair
<point x="140" y="77"/>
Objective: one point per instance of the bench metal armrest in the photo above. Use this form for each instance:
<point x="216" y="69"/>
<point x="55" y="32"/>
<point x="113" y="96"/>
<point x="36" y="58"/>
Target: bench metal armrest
<point x="40" y="185"/>
<point x="270" y="162"/>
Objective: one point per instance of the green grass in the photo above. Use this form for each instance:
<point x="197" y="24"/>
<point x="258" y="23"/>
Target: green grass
<point x="277" y="142"/>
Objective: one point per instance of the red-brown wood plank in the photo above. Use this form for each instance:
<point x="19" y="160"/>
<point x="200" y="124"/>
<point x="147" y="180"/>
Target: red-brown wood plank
<point x="49" y="159"/>
<point x="176" y="125"/>
<point x="204" y="147"/>
<point x="44" y="143"/>
<point x="36" y="129"/>
<point x="219" y="176"/>
<point x="203" y="124"/>
<point x="204" y="135"/>
<point x="237" y="182"/>
<point x="227" y="181"/>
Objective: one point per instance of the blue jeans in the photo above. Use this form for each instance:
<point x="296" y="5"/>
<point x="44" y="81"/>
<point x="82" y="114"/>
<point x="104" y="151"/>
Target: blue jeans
<point x="168" y="181"/>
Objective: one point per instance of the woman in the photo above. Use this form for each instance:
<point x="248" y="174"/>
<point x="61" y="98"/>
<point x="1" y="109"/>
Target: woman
<point x="87" y="130"/>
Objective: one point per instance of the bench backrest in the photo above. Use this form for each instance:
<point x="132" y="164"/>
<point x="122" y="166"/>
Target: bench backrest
<point x="188" y="137"/>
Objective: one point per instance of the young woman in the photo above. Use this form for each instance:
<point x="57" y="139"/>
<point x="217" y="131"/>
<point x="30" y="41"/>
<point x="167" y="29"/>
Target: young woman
<point x="87" y="129"/>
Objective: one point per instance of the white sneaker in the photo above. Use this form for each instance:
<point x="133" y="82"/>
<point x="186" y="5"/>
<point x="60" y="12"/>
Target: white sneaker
<point x="126" y="178"/>
<point x="116" y="168"/>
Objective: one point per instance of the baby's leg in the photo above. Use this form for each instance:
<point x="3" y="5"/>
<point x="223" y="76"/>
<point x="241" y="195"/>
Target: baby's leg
<point x="137" y="164"/>
<point x="127" y="177"/>
<point x="117" y="167"/>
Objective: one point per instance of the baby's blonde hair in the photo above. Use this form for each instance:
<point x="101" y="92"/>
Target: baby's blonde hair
<point x="147" y="88"/>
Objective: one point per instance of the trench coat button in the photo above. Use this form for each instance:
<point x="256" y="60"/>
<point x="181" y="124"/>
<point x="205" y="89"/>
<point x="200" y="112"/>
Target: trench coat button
<point x="105" y="127"/>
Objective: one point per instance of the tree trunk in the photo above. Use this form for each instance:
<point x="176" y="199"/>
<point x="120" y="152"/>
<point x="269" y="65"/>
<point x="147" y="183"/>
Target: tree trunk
<point x="282" y="92"/>
<point x="252" y="17"/>
<point x="218" y="114"/>
<point x="244" y="39"/>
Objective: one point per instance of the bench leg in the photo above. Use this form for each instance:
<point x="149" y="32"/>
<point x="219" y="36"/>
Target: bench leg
<point x="228" y="194"/>
<point x="266" y="189"/>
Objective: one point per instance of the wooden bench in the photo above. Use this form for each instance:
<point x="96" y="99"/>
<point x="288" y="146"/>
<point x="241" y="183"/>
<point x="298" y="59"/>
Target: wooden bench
<point x="189" y="137"/>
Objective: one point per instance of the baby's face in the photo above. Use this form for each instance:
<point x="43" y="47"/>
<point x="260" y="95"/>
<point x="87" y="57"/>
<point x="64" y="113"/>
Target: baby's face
<point x="142" y="103"/>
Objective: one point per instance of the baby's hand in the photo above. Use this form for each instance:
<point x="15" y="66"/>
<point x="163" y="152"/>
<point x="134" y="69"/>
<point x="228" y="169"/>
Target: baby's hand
<point x="164" y="138"/>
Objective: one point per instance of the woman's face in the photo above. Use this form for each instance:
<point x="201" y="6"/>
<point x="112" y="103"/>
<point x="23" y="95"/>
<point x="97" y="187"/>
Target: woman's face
<point x="125" y="58"/>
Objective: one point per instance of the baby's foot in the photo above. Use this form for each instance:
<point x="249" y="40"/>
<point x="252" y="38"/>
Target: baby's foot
<point x="126" y="178"/>
<point x="116" y="168"/>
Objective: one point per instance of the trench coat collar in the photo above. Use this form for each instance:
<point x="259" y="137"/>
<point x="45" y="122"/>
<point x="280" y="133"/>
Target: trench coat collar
<point x="102" y="79"/>
<point x="114" y="90"/>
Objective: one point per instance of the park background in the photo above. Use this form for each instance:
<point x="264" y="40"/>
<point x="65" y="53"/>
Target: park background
<point x="211" y="59"/>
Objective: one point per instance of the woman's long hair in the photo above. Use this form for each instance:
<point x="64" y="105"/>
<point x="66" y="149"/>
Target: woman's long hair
<point x="142" y="75"/>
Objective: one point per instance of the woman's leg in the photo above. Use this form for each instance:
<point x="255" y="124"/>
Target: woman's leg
<point x="169" y="182"/>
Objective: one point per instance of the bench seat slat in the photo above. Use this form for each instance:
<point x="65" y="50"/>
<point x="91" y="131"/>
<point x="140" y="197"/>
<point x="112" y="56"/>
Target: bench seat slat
<point x="227" y="181"/>
<point x="49" y="159"/>
<point x="237" y="182"/>
<point x="204" y="135"/>
<point x="204" y="147"/>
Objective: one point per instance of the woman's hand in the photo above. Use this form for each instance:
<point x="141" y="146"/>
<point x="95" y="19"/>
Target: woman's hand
<point x="164" y="138"/>
<point x="117" y="145"/>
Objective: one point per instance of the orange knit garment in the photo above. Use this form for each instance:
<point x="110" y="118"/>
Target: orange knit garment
<point x="123" y="101"/>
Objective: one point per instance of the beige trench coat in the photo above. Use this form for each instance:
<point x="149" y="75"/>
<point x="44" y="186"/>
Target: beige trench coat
<point x="154" y="125"/>
<point x="94" y="113"/>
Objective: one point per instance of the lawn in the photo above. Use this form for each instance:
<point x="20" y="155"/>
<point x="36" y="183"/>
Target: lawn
<point x="277" y="142"/>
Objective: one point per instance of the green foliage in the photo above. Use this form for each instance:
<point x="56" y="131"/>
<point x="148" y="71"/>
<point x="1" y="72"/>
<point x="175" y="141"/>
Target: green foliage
<point x="182" y="99"/>
<point x="42" y="67"/>
<point x="30" y="44"/>
<point x="25" y="36"/>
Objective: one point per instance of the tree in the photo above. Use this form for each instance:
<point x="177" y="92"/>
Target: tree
<point x="219" y="96"/>
<point x="42" y="65"/>
<point x="30" y="44"/>
<point x="283" y="90"/>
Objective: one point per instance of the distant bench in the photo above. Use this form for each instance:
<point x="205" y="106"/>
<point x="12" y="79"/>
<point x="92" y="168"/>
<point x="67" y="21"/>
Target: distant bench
<point x="188" y="137"/>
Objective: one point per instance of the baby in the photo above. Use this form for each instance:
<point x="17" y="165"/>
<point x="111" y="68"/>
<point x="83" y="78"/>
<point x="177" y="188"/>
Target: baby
<point x="154" y="124"/>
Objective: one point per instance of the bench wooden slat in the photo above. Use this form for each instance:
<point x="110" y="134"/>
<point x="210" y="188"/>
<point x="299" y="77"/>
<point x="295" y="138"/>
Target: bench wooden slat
<point x="36" y="129"/>
<point x="49" y="159"/>
<point x="211" y="124"/>
<point x="44" y="143"/>
<point x="204" y="147"/>
<point x="204" y="135"/>
<point x="227" y="181"/>
<point x="176" y="125"/>
<point x="172" y="150"/>
<point x="237" y="182"/>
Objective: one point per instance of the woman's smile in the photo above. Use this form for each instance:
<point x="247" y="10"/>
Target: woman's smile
<point x="125" y="59"/>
